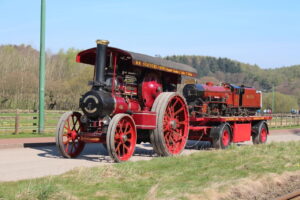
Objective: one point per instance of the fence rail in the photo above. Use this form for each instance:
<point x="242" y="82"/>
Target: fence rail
<point x="284" y="120"/>
<point x="26" y="121"/>
<point x="17" y="121"/>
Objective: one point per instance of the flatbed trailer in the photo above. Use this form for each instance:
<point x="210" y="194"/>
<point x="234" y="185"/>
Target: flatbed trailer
<point x="222" y="131"/>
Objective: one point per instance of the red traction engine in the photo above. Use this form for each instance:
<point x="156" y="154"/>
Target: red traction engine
<point x="133" y="99"/>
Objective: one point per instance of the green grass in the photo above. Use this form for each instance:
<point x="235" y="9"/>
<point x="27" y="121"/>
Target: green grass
<point x="165" y="178"/>
<point x="26" y="135"/>
<point x="284" y="127"/>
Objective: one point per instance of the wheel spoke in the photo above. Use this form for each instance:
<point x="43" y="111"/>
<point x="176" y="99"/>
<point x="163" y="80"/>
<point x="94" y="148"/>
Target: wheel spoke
<point x="67" y="147"/>
<point x="178" y="111"/>
<point x="68" y="123"/>
<point x="126" y="127"/>
<point x="118" y="146"/>
<point x="175" y="103"/>
<point x="68" y="140"/>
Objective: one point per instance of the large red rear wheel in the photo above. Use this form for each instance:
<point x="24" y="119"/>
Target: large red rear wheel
<point x="171" y="133"/>
<point x="67" y="135"/>
<point x="121" y="137"/>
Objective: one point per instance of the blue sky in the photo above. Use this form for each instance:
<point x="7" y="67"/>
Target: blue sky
<point x="263" y="32"/>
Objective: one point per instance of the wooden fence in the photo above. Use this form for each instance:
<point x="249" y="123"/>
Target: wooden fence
<point x="284" y="120"/>
<point x="26" y="121"/>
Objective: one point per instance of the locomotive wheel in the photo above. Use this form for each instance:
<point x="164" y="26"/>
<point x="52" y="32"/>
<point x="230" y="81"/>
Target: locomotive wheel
<point x="171" y="133"/>
<point x="67" y="139"/>
<point x="260" y="133"/>
<point x="223" y="139"/>
<point x="121" y="137"/>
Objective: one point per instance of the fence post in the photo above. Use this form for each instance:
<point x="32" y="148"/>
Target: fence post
<point x="17" y="123"/>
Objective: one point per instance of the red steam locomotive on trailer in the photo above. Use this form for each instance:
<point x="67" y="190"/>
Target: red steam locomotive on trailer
<point x="135" y="98"/>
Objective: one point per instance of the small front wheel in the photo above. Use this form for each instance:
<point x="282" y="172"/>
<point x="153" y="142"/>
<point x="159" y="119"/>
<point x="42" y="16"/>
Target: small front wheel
<point x="67" y="135"/>
<point x="121" y="137"/>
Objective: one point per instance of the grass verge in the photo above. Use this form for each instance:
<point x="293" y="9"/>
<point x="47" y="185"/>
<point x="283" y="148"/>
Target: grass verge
<point x="284" y="127"/>
<point x="25" y="135"/>
<point x="162" y="178"/>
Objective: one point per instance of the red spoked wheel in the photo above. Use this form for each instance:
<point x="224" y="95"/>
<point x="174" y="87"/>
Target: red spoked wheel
<point x="171" y="133"/>
<point x="67" y="135"/>
<point x="222" y="137"/>
<point x="121" y="137"/>
<point x="260" y="133"/>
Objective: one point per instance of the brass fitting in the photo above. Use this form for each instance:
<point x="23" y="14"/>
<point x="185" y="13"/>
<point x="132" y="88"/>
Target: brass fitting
<point x="103" y="42"/>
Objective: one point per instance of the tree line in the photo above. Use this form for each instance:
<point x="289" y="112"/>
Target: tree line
<point x="67" y="80"/>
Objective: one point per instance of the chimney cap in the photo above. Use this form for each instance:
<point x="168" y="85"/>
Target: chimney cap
<point x="103" y="42"/>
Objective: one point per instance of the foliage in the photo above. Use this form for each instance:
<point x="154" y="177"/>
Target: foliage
<point x="67" y="80"/>
<point x="181" y="177"/>
<point x="282" y="103"/>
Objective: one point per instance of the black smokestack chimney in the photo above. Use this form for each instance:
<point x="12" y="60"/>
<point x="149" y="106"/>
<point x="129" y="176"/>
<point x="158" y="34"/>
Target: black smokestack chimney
<point x="100" y="61"/>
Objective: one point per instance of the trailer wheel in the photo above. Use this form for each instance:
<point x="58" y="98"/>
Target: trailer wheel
<point x="67" y="138"/>
<point x="171" y="132"/>
<point x="222" y="138"/>
<point x="121" y="137"/>
<point x="260" y="133"/>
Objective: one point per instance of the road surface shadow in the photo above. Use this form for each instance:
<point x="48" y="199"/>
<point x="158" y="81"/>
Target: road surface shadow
<point x="94" y="152"/>
<point x="296" y="132"/>
<point x="198" y="145"/>
<point x="98" y="153"/>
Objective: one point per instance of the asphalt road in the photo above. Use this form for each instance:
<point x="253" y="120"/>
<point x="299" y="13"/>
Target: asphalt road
<point x="25" y="163"/>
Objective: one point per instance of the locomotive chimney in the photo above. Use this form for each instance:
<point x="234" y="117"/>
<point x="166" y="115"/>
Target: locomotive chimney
<point x="100" y="61"/>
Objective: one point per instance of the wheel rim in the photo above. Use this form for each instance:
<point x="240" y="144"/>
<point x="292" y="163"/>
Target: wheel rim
<point x="263" y="135"/>
<point x="71" y="140"/>
<point x="225" y="138"/>
<point x="125" y="139"/>
<point x="175" y="125"/>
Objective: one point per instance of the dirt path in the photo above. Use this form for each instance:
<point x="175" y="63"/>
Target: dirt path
<point x="25" y="163"/>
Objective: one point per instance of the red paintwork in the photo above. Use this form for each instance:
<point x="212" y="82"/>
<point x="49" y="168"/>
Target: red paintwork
<point x="150" y="90"/>
<point x="230" y="119"/>
<point x="121" y="106"/>
<point x="133" y="105"/>
<point x="241" y="132"/>
<point x="145" y="120"/>
<point x="217" y="92"/>
<point x="251" y="98"/>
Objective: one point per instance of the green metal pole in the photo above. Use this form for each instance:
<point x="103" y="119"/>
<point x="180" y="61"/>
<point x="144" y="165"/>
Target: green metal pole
<point x="273" y="99"/>
<point x="42" y="69"/>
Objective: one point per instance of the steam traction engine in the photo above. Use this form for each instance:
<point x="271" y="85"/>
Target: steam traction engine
<point x="134" y="99"/>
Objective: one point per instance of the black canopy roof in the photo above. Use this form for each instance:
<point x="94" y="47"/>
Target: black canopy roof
<point x="142" y="60"/>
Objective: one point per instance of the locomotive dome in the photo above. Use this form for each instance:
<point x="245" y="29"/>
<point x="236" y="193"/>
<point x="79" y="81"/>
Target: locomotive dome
<point x="89" y="56"/>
